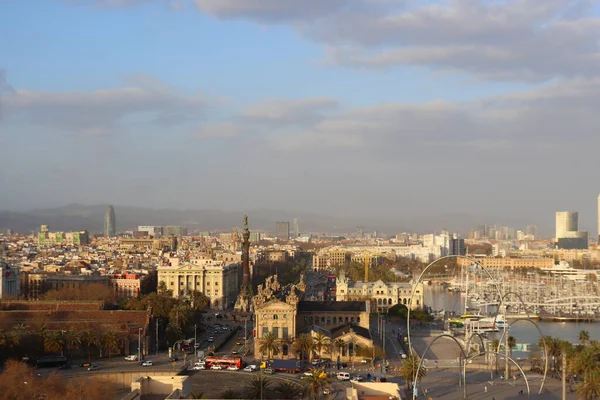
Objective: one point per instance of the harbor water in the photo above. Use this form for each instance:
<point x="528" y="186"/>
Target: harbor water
<point x="439" y="299"/>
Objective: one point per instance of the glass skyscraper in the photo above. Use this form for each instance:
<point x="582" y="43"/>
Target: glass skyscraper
<point x="109" y="222"/>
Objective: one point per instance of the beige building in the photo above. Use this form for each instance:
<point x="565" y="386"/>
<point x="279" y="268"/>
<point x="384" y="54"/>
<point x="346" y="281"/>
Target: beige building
<point x="516" y="262"/>
<point x="219" y="282"/>
<point x="284" y="315"/>
<point x="381" y="295"/>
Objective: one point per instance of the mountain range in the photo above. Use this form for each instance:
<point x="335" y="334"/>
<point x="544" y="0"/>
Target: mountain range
<point x="90" y="217"/>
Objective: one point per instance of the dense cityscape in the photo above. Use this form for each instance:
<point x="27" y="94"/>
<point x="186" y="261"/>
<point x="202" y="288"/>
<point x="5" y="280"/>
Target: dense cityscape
<point x="299" y="199"/>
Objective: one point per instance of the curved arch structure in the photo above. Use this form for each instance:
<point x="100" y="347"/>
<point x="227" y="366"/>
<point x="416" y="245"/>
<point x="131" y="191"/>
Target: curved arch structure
<point x="468" y="347"/>
<point x="501" y="298"/>
<point x="514" y="362"/>
<point x="416" y="377"/>
<point x="420" y="278"/>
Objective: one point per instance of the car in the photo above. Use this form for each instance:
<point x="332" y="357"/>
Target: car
<point x="132" y="357"/>
<point x="315" y="361"/>
<point x="210" y="339"/>
<point x="147" y="363"/>
<point x="216" y="366"/>
<point x="173" y="359"/>
<point x="225" y="327"/>
<point x="198" y="367"/>
<point x="66" y="366"/>
<point x="197" y="346"/>
<point x="250" y="368"/>
<point x="86" y="364"/>
<point x="93" y="368"/>
<point x="269" y="371"/>
<point x="403" y="355"/>
<point x="238" y="343"/>
<point x="365" y="361"/>
<point x="356" y="379"/>
<point x="326" y="391"/>
<point x="233" y="368"/>
<point x="234" y="352"/>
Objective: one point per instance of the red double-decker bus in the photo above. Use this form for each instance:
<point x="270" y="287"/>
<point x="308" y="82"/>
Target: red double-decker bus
<point x="224" y="361"/>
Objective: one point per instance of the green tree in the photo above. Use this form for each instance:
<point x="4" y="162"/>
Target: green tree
<point x="53" y="341"/>
<point x="288" y="390"/>
<point x="304" y="345"/>
<point x="89" y="338"/>
<point x="180" y="315"/>
<point x="321" y="341"/>
<point x="584" y="337"/>
<point x="269" y="344"/>
<point x="589" y="389"/>
<point x="3" y="338"/>
<point x="72" y="340"/>
<point x="409" y="367"/>
<point x="496" y="348"/>
<point x="339" y="344"/>
<point x="258" y="387"/>
<point x="199" y="301"/>
<point x="511" y="342"/>
<point x="229" y="394"/>
<point x="110" y="342"/>
<point x="315" y="382"/>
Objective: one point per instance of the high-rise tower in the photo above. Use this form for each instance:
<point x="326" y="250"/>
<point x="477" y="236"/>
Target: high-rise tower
<point x="109" y="222"/>
<point x="598" y="218"/>
<point x="244" y="300"/>
<point x="566" y="221"/>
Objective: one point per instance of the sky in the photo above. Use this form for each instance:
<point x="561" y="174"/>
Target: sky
<point x="339" y="107"/>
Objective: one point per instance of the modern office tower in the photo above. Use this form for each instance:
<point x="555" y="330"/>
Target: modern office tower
<point x="568" y="235"/>
<point x="296" y="228"/>
<point x="282" y="230"/>
<point x="109" y="222"/>
<point x="531" y="230"/>
<point x="457" y="246"/>
<point x="174" y="230"/>
<point x="360" y="232"/>
<point x="566" y="221"/>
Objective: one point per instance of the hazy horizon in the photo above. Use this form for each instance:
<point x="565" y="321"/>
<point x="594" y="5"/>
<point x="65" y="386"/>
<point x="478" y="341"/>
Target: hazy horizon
<point x="346" y="108"/>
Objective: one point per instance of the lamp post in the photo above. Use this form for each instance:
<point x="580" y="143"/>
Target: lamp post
<point x="139" y="344"/>
<point x="195" y="349"/>
<point x="157" y="323"/>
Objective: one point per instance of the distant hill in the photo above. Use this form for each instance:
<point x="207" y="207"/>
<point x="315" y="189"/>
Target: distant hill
<point x="90" y="217"/>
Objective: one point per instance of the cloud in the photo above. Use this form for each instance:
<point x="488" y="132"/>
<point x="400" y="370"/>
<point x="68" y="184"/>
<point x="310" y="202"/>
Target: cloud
<point x="271" y="11"/>
<point x="551" y="118"/>
<point x="223" y="130"/>
<point x="143" y="98"/>
<point x="289" y="111"/>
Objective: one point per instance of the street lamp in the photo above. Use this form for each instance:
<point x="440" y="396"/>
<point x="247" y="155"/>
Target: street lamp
<point x="139" y="344"/>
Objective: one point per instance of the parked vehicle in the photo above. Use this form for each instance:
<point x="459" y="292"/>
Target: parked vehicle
<point x="210" y="339"/>
<point x="270" y="371"/>
<point x="233" y="368"/>
<point x="356" y="379"/>
<point x="147" y="363"/>
<point x="132" y="357"/>
<point x="250" y="368"/>
<point x="216" y="366"/>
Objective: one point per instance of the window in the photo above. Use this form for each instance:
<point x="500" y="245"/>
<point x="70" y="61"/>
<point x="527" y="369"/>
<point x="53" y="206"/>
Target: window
<point x="284" y="332"/>
<point x="322" y="320"/>
<point x="352" y="320"/>
<point x="275" y="316"/>
<point x="276" y="332"/>
<point x="265" y="316"/>
<point x="328" y="320"/>
<point x="284" y="316"/>
<point x="171" y="283"/>
<point x="285" y="350"/>
<point x="207" y="283"/>
<point x="358" y="320"/>
<point x="216" y="283"/>
<point x="346" y="319"/>
<point x="265" y="331"/>
<point x="334" y="320"/>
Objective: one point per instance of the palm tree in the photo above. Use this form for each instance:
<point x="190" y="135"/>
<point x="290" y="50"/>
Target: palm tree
<point x="589" y="389"/>
<point x="110" y="342"/>
<point x="495" y="348"/>
<point x="17" y="333"/>
<point x="258" y="388"/>
<point x="72" y="340"/>
<point x="89" y="338"/>
<point x="321" y="341"/>
<point x="510" y="342"/>
<point x="288" y="390"/>
<point x="584" y="337"/>
<point x="339" y="344"/>
<point x="269" y="344"/>
<point x="196" y="394"/>
<point x="304" y="344"/>
<point x="180" y="315"/>
<point x="315" y="383"/>
<point x="199" y="301"/>
<point x="53" y="342"/>
<point x="3" y="338"/>
<point x="229" y="394"/>
<point x="409" y="369"/>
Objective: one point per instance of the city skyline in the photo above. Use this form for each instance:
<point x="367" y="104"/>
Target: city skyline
<point x="407" y="113"/>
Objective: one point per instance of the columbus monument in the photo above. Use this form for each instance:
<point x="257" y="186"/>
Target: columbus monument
<point x="244" y="300"/>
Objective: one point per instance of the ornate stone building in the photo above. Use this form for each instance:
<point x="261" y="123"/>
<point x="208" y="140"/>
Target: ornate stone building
<point x="282" y="312"/>
<point x="219" y="282"/>
<point x="381" y="295"/>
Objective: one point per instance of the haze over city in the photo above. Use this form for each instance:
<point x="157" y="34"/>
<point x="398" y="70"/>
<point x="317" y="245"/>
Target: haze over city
<point x="345" y="108"/>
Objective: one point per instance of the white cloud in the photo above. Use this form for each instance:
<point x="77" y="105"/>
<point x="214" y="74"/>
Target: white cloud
<point x="289" y="111"/>
<point x="142" y="97"/>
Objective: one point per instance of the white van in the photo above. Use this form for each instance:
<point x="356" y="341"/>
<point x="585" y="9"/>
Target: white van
<point x="343" y="376"/>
